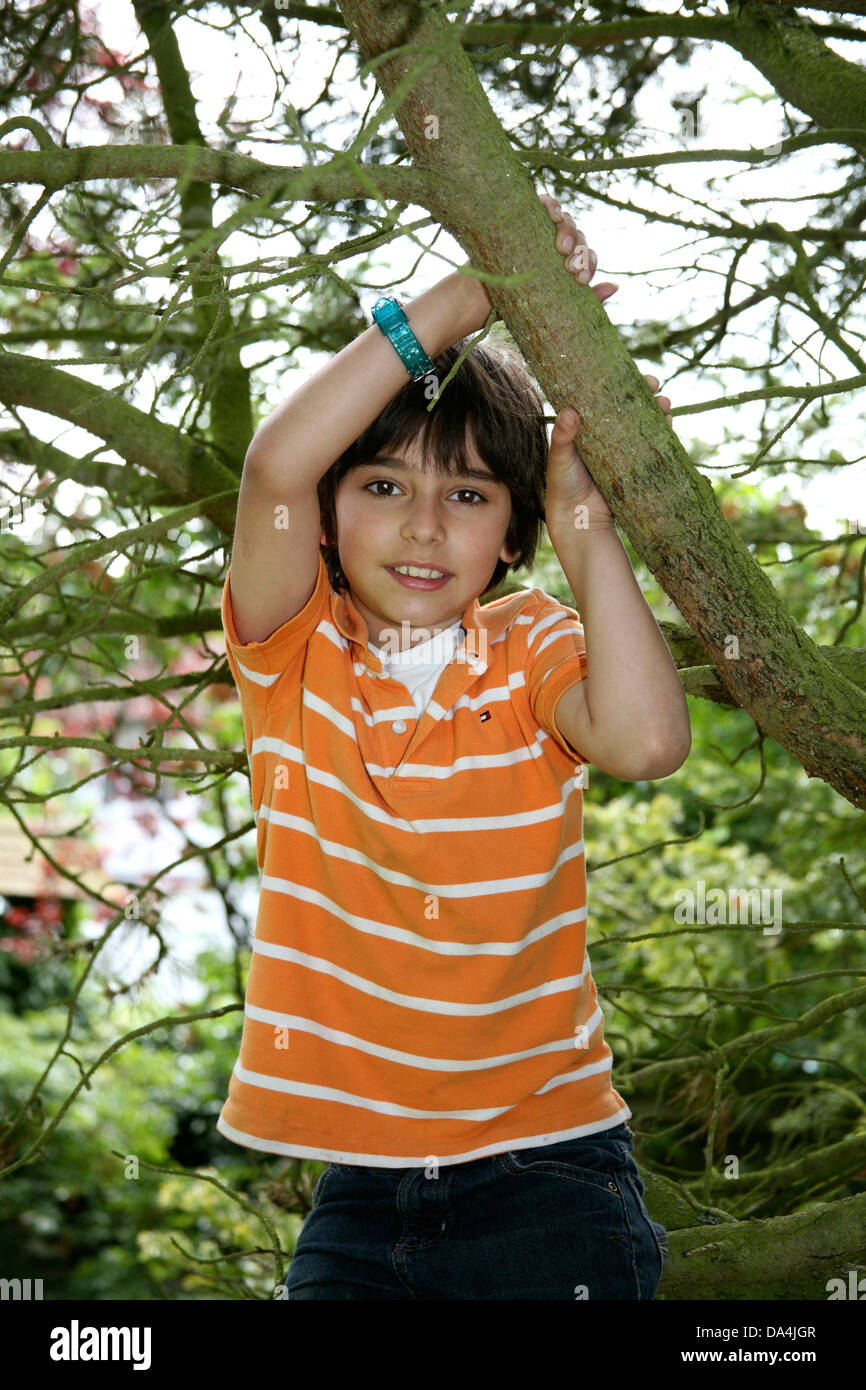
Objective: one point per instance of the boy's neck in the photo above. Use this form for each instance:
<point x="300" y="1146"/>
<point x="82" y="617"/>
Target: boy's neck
<point x="405" y="638"/>
<point x="399" y="636"/>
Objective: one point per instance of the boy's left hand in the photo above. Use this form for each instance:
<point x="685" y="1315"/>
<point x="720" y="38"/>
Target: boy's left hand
<point x="569" y="485"/>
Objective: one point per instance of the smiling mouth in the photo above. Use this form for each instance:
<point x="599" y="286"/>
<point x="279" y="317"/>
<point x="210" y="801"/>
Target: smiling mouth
<point x="419" y="571"/>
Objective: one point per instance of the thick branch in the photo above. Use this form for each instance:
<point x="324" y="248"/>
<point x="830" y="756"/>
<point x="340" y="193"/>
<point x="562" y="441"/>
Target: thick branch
<point x="790" y="51"/>
<point x="184" y="466"/>
<point x="577" y="33"/>
<point x="705" y="681"/>
<point x="849" y="7"/>
<point x="795" y="60"/>
<point x="48" y="629"/>
<point x="342" y="177"/>
<point x="124" y="486"/>
<point x="832" y="1161"/>
<point x="749" y="1044"/>
<point x="778" y="1258"/>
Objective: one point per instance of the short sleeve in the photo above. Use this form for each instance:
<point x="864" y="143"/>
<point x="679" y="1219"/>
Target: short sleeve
<point x="555" y="660"/>
<point x="267" y="673"/>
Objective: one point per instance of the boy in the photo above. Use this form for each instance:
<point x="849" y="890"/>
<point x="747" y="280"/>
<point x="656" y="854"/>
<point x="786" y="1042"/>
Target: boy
<point x="420" y="1011"/>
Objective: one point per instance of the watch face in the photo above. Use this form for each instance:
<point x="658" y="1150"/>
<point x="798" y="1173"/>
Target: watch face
<point x="389" y="313"/>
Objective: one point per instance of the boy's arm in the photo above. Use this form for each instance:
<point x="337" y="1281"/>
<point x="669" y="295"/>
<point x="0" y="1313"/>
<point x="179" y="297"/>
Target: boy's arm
<point x="273" y="565"/>
<point x="629" y="717"/>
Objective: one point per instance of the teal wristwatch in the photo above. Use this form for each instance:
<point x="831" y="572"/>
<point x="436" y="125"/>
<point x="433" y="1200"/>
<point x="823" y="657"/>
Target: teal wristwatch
<point x="390" y="315"/>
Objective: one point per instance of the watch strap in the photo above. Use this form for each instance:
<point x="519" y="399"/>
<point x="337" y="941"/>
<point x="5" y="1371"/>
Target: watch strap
<point x="391" y="318"/>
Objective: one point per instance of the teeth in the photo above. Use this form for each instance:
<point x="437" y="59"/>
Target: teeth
<point x="417" y="573"/>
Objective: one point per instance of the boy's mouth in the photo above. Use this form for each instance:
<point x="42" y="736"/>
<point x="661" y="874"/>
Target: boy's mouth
<point x="419" y="576"/>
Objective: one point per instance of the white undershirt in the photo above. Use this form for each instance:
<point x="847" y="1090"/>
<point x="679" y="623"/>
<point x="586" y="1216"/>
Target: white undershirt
<point x="420" y="667"/>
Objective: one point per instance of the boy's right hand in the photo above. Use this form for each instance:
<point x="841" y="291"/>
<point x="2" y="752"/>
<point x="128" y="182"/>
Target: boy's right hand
<point x="580" y="260"/>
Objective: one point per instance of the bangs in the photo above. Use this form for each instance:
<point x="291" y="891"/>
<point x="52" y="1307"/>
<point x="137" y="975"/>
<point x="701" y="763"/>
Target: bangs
<point x="441" y="436"/>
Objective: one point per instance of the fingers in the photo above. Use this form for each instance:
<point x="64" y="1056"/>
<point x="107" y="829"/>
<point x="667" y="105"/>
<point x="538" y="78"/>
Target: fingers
<point x="654" y="384"/>
<point x="554" y="207"/>
<point x="570" y="241"/>
<point x="582" y="261"/>
<point x="603" y="292"/>
<point x="565" y="427"/>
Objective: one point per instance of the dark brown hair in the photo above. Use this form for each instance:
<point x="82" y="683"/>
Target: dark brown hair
<point x="494" y="401"/>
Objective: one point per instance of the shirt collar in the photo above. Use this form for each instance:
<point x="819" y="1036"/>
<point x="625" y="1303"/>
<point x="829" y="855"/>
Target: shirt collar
<point x="353" y="625"/>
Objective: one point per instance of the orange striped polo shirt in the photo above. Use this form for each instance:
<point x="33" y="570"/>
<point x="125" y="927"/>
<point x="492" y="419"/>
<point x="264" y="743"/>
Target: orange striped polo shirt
<point x="419" y="987"/>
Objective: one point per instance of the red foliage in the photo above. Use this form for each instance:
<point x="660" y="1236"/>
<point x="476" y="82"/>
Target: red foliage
<point x="37" y="927"/>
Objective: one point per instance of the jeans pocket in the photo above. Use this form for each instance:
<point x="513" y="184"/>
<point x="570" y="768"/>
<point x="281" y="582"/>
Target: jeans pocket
<point x="318" y="1190"/>
<point x="601" y="1159"/>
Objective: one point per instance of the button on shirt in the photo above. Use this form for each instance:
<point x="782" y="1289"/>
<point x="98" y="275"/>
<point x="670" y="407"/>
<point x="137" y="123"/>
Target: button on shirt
<point x="419" y="983"/>
<point x="419" y="666"/>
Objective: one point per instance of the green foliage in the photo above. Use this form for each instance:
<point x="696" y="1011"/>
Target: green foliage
<point x="90" y="1216"/>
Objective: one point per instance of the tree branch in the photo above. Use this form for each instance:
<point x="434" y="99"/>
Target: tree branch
<point x="227" y="381"/>
<point x="188" y="468"/>
<point x="779" y="1257"/>
<point x="343" y="177"/>
<point x="493" y="33"/>
<point x="795" y="60"/>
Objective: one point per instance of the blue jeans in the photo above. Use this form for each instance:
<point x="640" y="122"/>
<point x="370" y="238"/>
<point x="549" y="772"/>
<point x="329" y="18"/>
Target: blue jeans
<point x="560" y="1221"/>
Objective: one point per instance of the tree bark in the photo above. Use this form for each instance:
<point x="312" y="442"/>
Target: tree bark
<point x="775" y="1258"/>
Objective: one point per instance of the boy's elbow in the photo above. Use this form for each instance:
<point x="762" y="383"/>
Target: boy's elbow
<point x="634" y="765"/>
<point x="666" y="758"/>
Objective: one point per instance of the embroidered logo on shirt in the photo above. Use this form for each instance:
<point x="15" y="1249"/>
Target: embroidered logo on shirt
<point x="485" y="715"/>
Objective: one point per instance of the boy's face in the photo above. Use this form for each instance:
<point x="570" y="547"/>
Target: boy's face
<point x="391" y="513"/>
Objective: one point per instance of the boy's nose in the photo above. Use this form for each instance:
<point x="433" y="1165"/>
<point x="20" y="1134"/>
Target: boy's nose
<point x="425" y="520"/>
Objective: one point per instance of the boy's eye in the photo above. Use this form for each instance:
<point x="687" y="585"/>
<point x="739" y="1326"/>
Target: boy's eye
<point x="388" y="482"/>
<point x="473" y="493"/>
